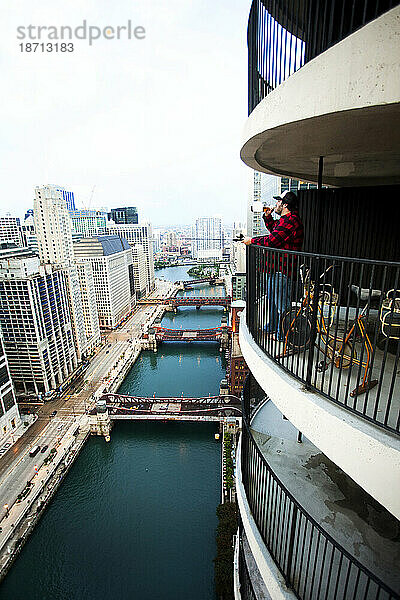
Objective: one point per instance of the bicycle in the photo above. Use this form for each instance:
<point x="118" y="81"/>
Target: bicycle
<point x="338" y="350"/>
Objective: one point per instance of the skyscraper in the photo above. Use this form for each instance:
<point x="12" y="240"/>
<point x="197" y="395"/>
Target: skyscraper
<point x="54" y="235"/>
<point x="89" y="222"/>
<point x="114" y="282"/>
<point x="10" y="230"/>
<point x="139" y="270"/>
<point x="207" y="238"/>
<point x="35" y="320"/>
<point x="69" y="199"/>
<point x="139" y="234"/>
<point x="9" y="413"/>
<point x="126" y="215"/>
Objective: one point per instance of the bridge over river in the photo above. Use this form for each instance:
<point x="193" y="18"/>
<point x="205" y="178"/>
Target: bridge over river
<point x="190" y="335"/>
<point x="112" y="407"/>
<point x="197" y="301"/>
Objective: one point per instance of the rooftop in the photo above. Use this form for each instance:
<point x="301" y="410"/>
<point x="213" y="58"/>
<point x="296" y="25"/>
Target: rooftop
<point x="103" y="245"/>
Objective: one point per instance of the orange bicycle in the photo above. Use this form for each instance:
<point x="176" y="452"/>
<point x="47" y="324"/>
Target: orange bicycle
<point x="337" y="349"/>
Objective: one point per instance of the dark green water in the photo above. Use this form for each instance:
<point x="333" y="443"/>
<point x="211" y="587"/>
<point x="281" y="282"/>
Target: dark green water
<point x="135" y="518"/>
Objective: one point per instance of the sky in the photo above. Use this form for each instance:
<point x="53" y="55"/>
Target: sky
<point x="154" y="123"/>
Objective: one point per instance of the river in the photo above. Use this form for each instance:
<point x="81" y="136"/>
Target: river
<point x="135" y="518"/>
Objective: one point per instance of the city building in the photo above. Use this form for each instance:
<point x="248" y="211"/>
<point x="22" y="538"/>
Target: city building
<point x="68" y="197"/>
<point x="238" y="256"/>
<point x="111" y="259"/>
<point x="139" y="270"/>
<point x="126" y="215"/>
<point x="89" y="305"/>
<point x="319" y="449"/>
<point x="89" y="222"/>
<point x="207" y="238"/>
<point x="53" y="230"/>
<point x="170" y="241"/>
<point x="238" y="286"/>
<point x="257" y="185"/>
<point x="53" y="225"/>
<point x="10" y="230"/>
<point x="138" y="234"/>
<point x="9" y="414"/>
<point x="35" y="321"/>
<point x="28" y="234"/>
<point x="157" y="235"/>
<point x="237" y="369"/>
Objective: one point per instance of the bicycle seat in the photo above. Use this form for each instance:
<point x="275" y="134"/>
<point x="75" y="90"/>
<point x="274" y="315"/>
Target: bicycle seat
<point x="365" y="293"/>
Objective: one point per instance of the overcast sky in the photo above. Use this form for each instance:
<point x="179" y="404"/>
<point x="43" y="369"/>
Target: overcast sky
<point x="154" y="123"/>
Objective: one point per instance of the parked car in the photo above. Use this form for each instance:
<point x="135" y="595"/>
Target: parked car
<point x="53" y="414"/>
<point x="44" y="449"/>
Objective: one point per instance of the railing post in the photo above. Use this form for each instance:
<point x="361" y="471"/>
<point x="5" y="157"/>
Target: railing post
<point x="314" y="317"/>
<point x="251" y="288"/>
<point x="291" y="545"/>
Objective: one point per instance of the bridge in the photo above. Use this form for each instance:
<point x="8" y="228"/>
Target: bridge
<point x="196" y="301"/>
<point x="189" y="335"/>
<point x="199" y="301"/>
<point x="189" y="282"/>
<point x="210" y="408"/>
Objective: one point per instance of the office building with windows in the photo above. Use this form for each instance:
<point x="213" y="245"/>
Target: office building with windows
<point x="126" y="215"/>
<point x="139" y="270"/>
<point x="113" y="274"/>
<point x="10" y="230"/>
<point x="207" y="238"/>
<point x="53" y="229"/>
<point x="138" y="234"/>
<point x="89" y="222"/>
<point x="89" y="305"/>
<point x="9" y="414"/>
<point x="35" y="321"/>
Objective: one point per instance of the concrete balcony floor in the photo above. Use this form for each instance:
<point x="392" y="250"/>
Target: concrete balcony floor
<point x="350" y="515"/>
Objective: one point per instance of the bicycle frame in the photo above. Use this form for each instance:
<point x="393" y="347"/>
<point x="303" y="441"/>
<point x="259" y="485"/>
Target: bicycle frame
<point x="341" y="349"/>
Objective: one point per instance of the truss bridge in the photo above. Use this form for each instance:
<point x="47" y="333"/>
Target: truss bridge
<point x="189" y="335"/>
<point x="211" y="408"/>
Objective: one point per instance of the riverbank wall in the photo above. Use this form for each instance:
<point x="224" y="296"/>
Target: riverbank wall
<point x="24" y="516"/>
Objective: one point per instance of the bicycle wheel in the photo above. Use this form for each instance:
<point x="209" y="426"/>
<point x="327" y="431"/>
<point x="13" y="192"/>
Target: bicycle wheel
<point x="341" y="355"/>
<point x="296" y="329"/>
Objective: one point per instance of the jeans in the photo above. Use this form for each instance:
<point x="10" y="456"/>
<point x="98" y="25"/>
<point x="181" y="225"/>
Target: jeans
<point x="279" y="288"/>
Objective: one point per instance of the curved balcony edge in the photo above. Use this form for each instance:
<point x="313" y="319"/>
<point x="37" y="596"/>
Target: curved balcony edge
<point x="340" y="105"/>
<point x="369" y="455"/>
<point x="272" y="577"/>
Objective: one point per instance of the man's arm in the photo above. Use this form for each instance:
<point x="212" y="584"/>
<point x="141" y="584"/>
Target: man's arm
<point x="270" y="223"/>
<point x="277" y="238"/>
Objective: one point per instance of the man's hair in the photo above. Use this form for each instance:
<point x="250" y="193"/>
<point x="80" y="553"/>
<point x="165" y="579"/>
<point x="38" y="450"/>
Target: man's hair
<point x="291" y="200"/>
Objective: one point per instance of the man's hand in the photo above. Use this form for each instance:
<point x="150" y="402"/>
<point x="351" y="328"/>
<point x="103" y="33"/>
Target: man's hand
<point x="268" y="210"/>
<point x="246" y="240"/>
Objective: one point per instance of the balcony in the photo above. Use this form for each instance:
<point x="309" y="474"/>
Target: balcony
<point x="332" y="366"/>
<point x="306" y="527"/>
<point x="323" y="82"/>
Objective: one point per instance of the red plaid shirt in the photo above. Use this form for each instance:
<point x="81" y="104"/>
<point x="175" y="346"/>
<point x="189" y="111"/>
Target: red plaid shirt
<point x="286" y="233"/>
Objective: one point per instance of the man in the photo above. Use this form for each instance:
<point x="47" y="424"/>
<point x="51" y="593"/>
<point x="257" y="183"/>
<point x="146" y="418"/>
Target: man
<point x="286" y="233"/>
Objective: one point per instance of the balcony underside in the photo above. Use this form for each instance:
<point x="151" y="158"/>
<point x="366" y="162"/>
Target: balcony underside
<point x="342" y="105"/>
<point x="344" y="139"/>
<point x="344" y="510"/>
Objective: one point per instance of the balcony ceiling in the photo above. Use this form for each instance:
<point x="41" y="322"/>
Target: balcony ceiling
<point x="343" y="105"/>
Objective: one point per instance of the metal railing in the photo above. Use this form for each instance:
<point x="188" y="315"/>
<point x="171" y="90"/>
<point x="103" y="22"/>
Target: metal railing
<point x="283" y="35"/>
<point x="246" y="587"/>
<point x="313" y="564"/>
<point x="333" y="323"/>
